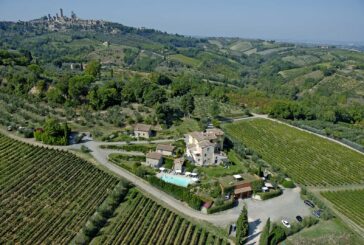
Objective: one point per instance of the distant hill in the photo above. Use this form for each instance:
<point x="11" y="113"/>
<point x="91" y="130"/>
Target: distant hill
<point x="278" y="70"/>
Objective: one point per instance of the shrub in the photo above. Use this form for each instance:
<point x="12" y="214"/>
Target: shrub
<point x="277" y="235"/>
<point x="227" y="205"/>
<point x="178" y="192"/>
<point x="288" y="184"/>
<point x="85" y="149"/>
<point x="270" y="194"/>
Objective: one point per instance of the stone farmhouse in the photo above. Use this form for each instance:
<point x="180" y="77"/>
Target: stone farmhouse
<point x="205" y="148"/>
<point x="154" y="159"/>
<point x="165" y="150"/>
<point x="142" y="130"/>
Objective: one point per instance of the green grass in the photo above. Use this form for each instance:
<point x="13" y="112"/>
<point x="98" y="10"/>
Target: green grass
<point x="325" y="232"/>
<point x="241" y="46"/>
<point x="144" y="148"/>
<point x="178" y="130"/>
<point x="185" y="59"/>
<point x="348" y="202"/>
<point x="308" y="159"/>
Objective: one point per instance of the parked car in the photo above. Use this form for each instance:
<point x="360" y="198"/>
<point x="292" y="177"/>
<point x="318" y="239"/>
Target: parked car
<point x="286" y="223"/>
<point x="227" y="196"/>
<point x="317" y="213"/>
<point x="309" y="203"/>
<point x="299" y="218"/>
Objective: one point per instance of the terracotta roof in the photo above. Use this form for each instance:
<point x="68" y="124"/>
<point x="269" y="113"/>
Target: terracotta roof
<point x="216" y="131"/>
<point x="142" y="127"/>
<point x="242" y="190"/>
<point x="165" y="148"/>
<point x="154" y="155"/>
<point x="205" y="143"/>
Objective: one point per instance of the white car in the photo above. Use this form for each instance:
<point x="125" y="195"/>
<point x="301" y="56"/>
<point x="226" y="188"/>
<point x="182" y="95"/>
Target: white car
<point x="286" y="223"/>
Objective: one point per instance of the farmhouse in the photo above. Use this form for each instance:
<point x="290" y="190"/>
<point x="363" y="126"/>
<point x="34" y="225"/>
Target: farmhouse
<point x="165" y="150"/>
<point x="142" y="130"/>
<point x="204" y="148"/>
<point x="154" y="159"/>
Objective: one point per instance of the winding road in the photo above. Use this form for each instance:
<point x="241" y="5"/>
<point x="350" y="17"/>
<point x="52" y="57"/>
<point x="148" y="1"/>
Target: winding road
<point x="288" y="205"/>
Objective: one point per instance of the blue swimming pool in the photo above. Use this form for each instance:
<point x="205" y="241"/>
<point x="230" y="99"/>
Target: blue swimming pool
<point x="176" y="180"/>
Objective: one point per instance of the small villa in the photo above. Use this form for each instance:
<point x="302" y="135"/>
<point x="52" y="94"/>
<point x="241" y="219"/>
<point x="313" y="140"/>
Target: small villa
<point x="142" y="130"/>
<point x="154" y="159"/>
<point x="205" y="148"/>
<point x="165" y="150"/>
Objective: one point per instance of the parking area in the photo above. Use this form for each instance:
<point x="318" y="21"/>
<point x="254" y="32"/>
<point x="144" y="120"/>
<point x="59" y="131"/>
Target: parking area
<point x="287" y="206"/>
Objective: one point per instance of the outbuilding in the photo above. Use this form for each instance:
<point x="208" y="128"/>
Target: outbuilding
<point x="165" y="150"/>
<point x="142" y="130"/>
<point x="154" y="159"/>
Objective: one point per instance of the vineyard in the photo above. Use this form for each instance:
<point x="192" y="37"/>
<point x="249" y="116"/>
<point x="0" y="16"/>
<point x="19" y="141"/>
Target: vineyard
<point x="349" y="202"/>
<point x="308" y="159"/>
<point x="140" y="220"/>
<point x="46" y="195"/>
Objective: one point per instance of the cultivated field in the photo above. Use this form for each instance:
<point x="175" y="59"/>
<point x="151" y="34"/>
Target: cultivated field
<point x="308" y="159"/>
<point x="348" y="202"/>
<point x="140" y="220"/>
<point x="46" y="195"/>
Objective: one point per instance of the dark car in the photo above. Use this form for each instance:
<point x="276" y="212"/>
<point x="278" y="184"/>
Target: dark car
<point x="309" y="203"/>
<point x="299" y="218"/>
<point x="317" y="213"/>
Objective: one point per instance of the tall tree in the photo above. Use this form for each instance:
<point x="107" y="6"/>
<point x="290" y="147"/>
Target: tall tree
<point x="188" y="104"/>
<point x="242" y="226"/>
<point x="265" y="234"/>
<point x="93" y="68"/>
<point x="214" y="109"/>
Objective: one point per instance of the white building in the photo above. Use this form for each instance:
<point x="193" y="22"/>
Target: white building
<point x="204" y="148"/>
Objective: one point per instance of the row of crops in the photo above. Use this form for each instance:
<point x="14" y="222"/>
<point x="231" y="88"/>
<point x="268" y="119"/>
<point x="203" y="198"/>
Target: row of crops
<point x="140" y="220"/>
<point x="308" y="159"/>
<point x="46" y="195"/>
<point x="348" y="202"/>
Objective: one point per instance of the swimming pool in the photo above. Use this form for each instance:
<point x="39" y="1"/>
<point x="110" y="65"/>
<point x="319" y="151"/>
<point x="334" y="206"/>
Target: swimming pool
<point x="176" y="180"/>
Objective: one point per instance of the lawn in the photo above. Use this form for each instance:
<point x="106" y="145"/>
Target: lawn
<point x="238" y="166"/>
<point x="326" y="232"/>
<point x="307" y="158"/>
<point x="348" y="202"/>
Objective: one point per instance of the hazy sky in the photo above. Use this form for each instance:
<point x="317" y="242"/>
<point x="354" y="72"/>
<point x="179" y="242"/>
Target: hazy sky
<point x="300" y="20"/>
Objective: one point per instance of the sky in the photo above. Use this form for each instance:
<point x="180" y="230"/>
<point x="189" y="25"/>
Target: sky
<point x="286" y="20"/>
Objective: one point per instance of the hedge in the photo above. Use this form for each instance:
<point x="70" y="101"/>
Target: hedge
<point x="225" y="206"/>
<point x="270" y="194"/>
<point x="178" y="192"/>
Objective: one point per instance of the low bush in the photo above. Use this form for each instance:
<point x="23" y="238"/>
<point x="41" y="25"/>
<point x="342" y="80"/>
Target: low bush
<point x="178" y="192"/>
<point x="103" y="213"/>
<point x="288" y="184"/>
<point x="227" y="205"/>
<point x="270" y="194"/>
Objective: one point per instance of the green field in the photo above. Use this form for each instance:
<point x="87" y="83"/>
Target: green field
<point x="332" y="232"/>
<point x="46" y="195"/>
<point x="140" y="220"/>
<point x="185" y="59"/>
<point x="308" y="159"/>
<point x="348" y="202"/>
